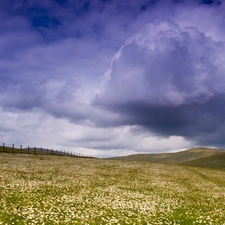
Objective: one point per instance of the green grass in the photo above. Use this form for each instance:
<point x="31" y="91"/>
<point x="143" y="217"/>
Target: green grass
<point x="44" y="189"/>
<point x="214" y="161"/>
<point x="204" y="157"/>
<point x="18" y="150"/>
<point x="9" y="149"/>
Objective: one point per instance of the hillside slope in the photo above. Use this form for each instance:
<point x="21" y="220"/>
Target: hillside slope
<point x="216" y="161"/>
<point x="206" y="157"/>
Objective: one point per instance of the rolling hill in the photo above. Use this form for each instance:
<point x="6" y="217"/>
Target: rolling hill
<point x="204" y="157"/>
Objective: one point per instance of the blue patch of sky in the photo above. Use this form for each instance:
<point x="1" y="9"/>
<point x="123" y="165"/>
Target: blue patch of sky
<point x="86" y="5"/>
<point x="61" y="2"/>
<point x="148" y="4"/>
<point x="45" y="21"/>
<point x="40" y="17"/>
<point x="207" y="2"/>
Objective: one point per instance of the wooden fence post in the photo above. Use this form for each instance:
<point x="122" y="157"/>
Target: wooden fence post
<point x="3" y="147"/>
<point x="12" y="148"/>
<point x="28" y="150"/>
<point x="20" y="148"/>
<point x="41" y="150"/>
<point x="35" y="150"/>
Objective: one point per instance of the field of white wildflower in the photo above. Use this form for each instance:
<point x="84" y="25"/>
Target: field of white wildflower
<point x="68" y="190"/>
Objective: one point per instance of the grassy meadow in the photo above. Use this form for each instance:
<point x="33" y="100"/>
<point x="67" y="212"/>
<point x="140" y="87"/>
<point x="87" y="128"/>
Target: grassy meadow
<point x="44" y="189"/>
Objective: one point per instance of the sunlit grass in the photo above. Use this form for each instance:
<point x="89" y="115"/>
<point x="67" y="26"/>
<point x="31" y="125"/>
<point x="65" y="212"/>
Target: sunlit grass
<point x="64" y="190"/>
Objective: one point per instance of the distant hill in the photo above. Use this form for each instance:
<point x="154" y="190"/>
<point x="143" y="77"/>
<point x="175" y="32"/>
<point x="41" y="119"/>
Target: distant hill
<point x="204" y="157"/>
<point x="216" y="161"/>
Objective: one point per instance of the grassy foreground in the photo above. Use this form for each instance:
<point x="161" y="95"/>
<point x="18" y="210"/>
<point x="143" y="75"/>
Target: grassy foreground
<point x="66" y="190"/>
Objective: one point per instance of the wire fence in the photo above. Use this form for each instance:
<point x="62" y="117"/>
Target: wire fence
<point x="39" y="151"/>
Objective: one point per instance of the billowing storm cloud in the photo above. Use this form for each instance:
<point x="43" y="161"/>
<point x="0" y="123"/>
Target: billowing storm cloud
<point x="110" y="77"/>
<point x="170" y="81"/>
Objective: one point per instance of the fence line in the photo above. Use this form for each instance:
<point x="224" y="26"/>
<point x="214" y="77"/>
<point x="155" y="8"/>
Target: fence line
<point x="39" y="151"/>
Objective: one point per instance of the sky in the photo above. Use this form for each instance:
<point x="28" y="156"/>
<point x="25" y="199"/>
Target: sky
<point x="108" y="77"/>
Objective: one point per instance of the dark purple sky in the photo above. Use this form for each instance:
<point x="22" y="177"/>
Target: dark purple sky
<point x="108" y="78"/>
